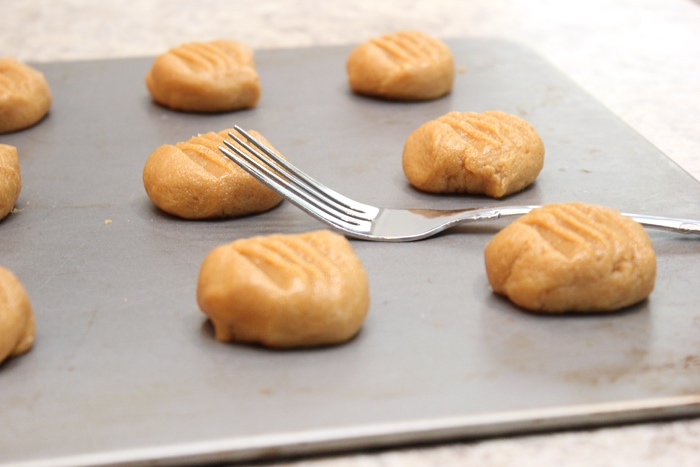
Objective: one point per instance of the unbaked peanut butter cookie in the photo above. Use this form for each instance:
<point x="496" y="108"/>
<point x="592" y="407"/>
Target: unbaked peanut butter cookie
<point x="285" y="291"/>
<point x="10" y="179"/>
<point x="216" y="76"/>
<point x="16" y="317"/>
<point x="25" y="97"/>
<point x="405" y="65"/>
<point x="492" y="153"/>
<point x="193" y="180"/>
<point x="572" y="257"/>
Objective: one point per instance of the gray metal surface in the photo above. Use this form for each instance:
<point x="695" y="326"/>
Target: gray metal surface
<point x="125" y="369"/>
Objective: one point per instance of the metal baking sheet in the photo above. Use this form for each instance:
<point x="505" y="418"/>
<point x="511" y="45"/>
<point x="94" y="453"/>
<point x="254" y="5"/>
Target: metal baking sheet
<point x="126" y="371"/>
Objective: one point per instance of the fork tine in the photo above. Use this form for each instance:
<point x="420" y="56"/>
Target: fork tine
<point x="308" y="183"/>
<point x="293" y="185"/>
<point x="282" y="187"/>
<point x="279" y="181"/>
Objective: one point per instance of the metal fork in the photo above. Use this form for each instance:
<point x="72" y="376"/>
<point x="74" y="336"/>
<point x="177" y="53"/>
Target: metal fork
<point x="368" y="222"/>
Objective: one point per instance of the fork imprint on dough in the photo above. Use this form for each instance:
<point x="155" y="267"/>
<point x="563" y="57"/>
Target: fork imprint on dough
<point x="478" y="129"/>
<point x="287" y="260"/>
<point x="209" y="56"/>
<point x="570" y="228"/>
<point x="203" y="150"/>
<point x="408" y="47"/>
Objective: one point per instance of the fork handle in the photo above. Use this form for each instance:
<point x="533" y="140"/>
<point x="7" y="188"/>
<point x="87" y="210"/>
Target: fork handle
<point x="685" y="226"/>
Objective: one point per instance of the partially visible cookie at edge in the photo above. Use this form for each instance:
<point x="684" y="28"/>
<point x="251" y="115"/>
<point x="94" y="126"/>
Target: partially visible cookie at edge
<point x="405" y="65"/>
<point x="194" y="180"/>
<point x="493" y="153"/>
<point x="10" y="179"/>
<point x="572" y="257"/>
<point x="215" y="76"/>
<point x="25" y="96"/>
<point x="17" y="325"/>
<point x="285" y="291"/>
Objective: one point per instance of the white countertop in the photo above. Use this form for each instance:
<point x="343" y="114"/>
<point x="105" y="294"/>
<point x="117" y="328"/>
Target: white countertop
<point x="640" y="58"/>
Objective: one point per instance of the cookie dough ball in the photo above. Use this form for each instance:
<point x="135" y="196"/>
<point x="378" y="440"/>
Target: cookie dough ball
<point x="285" y="291"/>
<point x="405" y="65"/>
<point x="16" y="317"/>
<point x="25" y="97"/>
<point x="10" y="179"/>
<point x="216" y="76"/>
<point x="572" y="257"/>
<point x="492" y="153"/>
<point x="193" y="180"/>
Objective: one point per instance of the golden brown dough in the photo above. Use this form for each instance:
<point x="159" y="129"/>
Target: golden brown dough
<point x="25" y="97"/>
<point x="492" y="153"/>
<point x="193" y="180"/>
<point x="10" y="179"/>
<point x="405" y="65"/>
<point x="16" y="317"/>
<point x="285" y="290"/>
<point x="216" y="76"/>
<point x="572" y="257"/>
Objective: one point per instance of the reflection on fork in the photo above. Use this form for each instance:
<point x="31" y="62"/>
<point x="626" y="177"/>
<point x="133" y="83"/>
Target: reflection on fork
<point x="368" y="222"/>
